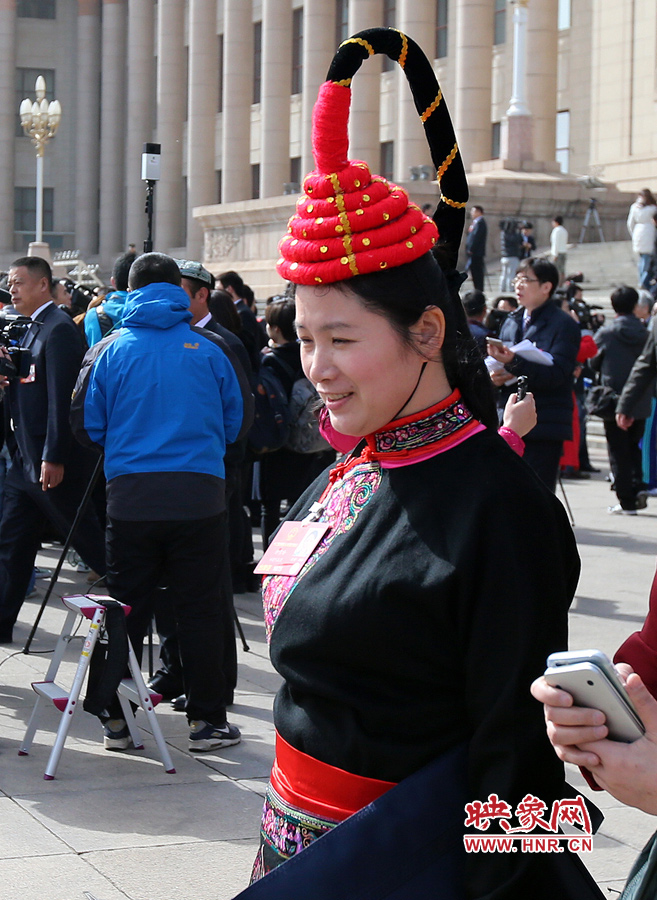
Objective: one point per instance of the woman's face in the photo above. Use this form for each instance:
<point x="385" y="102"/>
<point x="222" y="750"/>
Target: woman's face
<point x="362" y="370"/>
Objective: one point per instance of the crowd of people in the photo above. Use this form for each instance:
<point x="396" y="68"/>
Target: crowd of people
<point x="178" y="491"/>
<point x="406" y="642"/>
<point x="593" y="367"/>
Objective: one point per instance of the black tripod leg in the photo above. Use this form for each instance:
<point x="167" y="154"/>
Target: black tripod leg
<point x="55" y="575"/>
<point x="570" y="512"/>
<point x="245" y="646"/>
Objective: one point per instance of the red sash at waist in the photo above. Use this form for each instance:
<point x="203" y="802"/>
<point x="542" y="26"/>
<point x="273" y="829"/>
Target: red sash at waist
<point x="318" y="788"/>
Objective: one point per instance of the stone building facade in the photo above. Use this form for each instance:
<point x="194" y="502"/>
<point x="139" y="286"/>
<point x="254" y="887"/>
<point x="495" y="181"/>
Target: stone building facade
<point x="227" y="87"/>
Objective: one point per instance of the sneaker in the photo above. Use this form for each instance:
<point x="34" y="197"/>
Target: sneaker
<point x="642" y="499"/>
<point x="203" y="736"/>
<point x="82" y="567"/>
<point x="42" y="573"/>
<point x="619" y="511"/>
<point x="117" y="735"/>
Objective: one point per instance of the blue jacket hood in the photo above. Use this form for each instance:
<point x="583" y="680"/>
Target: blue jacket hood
<point x="114" y="304"/>
<point x="159" y="305"/>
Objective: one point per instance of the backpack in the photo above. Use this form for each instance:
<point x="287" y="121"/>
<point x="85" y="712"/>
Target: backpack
<point x="271" y="420"/>
<point x="304" y="434"/>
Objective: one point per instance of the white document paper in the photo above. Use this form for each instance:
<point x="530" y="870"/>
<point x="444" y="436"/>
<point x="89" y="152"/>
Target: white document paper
<point x="529" y="351"/>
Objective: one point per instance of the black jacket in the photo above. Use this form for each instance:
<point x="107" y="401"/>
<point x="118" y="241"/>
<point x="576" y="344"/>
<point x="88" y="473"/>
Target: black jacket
<point x="510" y="243"/>
<point x="475" y="242"/>
<point x="620" y="343"/>
<point x="642" y="377"/>
<point x="555" y="331"/>
<point x="39" y="408"/>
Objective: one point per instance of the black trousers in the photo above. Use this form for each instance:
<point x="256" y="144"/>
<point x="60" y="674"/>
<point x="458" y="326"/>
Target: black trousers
<point x="543" y="457"/>
<point x="26" y="510"/>
<point x="182" y="555"/>
<point x="477" y="269"/>
<point x="625" y="460"/>
<point x="166" y="622"/>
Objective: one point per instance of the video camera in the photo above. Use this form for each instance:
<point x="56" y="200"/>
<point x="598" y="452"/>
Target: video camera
<point x="12" y="329"/>
<point x="512" y="224"/>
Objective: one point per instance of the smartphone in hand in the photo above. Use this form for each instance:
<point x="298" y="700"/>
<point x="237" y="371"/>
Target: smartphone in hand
<point x="597" y="687"/>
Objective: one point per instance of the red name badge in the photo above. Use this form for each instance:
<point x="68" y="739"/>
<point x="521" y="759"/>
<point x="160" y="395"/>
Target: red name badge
<point x="290" y="550"/>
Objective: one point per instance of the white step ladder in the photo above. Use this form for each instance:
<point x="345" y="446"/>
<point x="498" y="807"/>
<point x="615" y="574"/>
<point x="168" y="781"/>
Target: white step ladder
<point x="130" y="689"/>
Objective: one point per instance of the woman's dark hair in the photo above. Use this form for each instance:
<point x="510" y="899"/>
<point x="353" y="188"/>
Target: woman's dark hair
<point x="648" y="197"/>
<point x="280" y="313"/>
<point x="249" y="298"/>
<point x="221" y="305"/>
<point x="401" y="295"/>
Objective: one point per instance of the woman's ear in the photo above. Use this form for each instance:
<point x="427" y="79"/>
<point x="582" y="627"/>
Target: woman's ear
<point x="429" y="331"/>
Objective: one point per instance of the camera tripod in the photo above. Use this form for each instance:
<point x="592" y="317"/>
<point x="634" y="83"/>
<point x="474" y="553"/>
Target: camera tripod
<point x="62" y="556"/>
<point x="592" y="217"/>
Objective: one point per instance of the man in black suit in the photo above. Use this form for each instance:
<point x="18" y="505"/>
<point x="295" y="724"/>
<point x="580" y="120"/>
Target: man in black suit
<point x="252" y="334"/>
<point x="475" y="247"/>
<point x="539" y="320"/>
<point x="49" y="471"/>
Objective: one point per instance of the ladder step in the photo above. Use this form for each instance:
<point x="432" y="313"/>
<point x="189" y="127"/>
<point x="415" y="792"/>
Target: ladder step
<point x="128" y="690"/>
<point x="53" y="692"/>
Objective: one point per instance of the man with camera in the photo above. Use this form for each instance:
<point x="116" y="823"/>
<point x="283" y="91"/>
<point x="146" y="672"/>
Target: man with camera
<point x="49" y="471"/>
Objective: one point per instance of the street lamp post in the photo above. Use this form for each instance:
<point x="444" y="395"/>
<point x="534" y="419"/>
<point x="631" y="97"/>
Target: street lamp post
<point x="40" y="121"/>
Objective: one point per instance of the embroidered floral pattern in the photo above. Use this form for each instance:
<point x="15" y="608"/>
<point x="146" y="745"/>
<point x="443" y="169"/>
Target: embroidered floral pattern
<point x="417" y="434"/>
<point x="342" y="507"/>
<point x="284" y="832"/>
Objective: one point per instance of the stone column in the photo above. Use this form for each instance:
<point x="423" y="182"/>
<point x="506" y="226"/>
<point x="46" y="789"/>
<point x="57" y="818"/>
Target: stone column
<point x="364" y="136"/>
<point x="276" y="90"/>
<point x="87" y="167"/>
<point x="201" y="118"/>
<point x="516" y="143"/>
<point x="417" y="19"/>
<point x="238" y="93"/>
<point x="542" y="61"/>
<point x="171" y="97"/>
<point x="112" y="130"/>
<point x="8" y="111"/>
<point x="318" y="49"/>
<point x="474" y="58"/>
<point x="141" y="77"/>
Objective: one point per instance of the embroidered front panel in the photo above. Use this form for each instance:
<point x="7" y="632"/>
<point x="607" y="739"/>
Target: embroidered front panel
<point x="285" y="831"/>
<point x="418" y="434"/>
<point x="342" y="507"/>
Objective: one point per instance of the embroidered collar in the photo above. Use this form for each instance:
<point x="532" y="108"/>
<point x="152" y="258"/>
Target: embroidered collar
<point x="430" y="430"/>
<point x="414" y="437"/>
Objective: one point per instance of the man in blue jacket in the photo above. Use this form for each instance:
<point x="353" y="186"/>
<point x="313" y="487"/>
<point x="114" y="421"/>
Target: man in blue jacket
<point x="162" y="400"/>
<point x="539" y="320"/>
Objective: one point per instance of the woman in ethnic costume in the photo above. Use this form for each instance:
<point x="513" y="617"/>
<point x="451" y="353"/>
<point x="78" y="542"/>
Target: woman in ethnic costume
<point x="407" y="641"/>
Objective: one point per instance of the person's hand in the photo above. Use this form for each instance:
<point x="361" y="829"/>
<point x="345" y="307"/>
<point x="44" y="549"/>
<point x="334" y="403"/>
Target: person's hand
<point x="520" y="415"/>
<point x="568" y="726"/>
<point x="500" y="377"/>
<point x="501" y="354"/>
<point x="51" y="475"/>
<point x="627" y="771"/>
<point x="624" y="421"/>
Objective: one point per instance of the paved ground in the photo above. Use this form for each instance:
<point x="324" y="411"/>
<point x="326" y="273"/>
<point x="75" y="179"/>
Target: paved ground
<point x="118" y="826"/>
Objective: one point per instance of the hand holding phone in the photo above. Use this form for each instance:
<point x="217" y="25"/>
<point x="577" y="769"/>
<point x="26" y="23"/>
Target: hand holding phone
<point x="591" y="680"/>
<point x="521" y="391"/>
